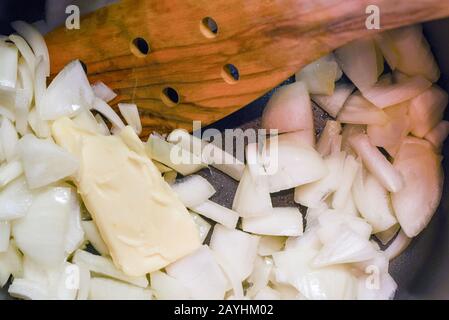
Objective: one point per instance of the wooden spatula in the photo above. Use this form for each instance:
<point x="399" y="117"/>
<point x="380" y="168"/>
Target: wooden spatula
<point x="184" y="60"/>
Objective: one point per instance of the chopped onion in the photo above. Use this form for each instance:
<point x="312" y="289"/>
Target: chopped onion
<point x="281" y="222"/>
<point x="220" y="214"/>
<point x="23" y="98"/>
<point x="203" y="225"/>
<point x="104" y="266"/>
<point x="343" y="193"/>
<point x="358" y="60"/>
<point x="373" y="202"/>
<point x="238" y="249"/>
<point x="358" y="110"/>
<point x="86" y="120"/>
<point x="385" y="43"/>
<point x="35" y="40"/>
<point x="5" y="234"/>
<point x="9" y="139"/>
<point x="376" y="163"/>
<point x="8" y="66"/>
<point x="103" y="92"/>
<point x="331" y="224"/>
<point x="385" y="95"/>
<point x="84" y="282"/>
<point x="94" y="237"/>
<point x="438" y="134"/>
<point x="10" y="171"/>
<point x="426" y="110"/>
<point x="15" y="200"/>
<point x="104" y="129"/>
<point x="260" y="275"/>
<point x="25" y="51"/>
<point x="332" y="104"/>
<point x="415" y="56"/>
<point x="130" y="112"/>
<point x="320" y="75"/>
<point x="270" y="244"/>
<point x="28" y="289"/>
<point x="67" y="94"/>
<point x="44" y="162"/>
<point x="399" y="244"/>
<point x="301" y="138"/>
<point x="168" y="288"/>
<point x="193" y="190"/>
<point x="108" y="289"/>
<point x="331" y="129"/>
<point x="267" y="293"/>
<point x="289" y="109"/>
<point x="312" y="194"/>
<point x="421" y="170"/>
<point x="40" y="83"/>
<point x="200" y="274"/>
<point x="386" y="236"/>
<point x="75" y="232"/>
<point x="10" y="264"/>
<point x="348" y="131"/>
<point x="385" y="290"/>
<point x="40" y="127"/>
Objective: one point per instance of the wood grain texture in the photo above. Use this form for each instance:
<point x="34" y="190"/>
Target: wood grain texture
<point x="267" y="40"/>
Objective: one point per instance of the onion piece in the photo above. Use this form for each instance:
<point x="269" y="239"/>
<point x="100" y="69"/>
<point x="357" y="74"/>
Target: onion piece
<point x="173" y="156"/>
<point x="343" y="193"/>
<point x="200" y="274"/>
<point x="108" y="289"/>
<point x="384" y="290"/>
<point x="385" y="95"/>
<point x="426" y="110"/>
<point x="320" y="75"/>
<point x="289" y="109"/>
<point x="40" y="127"/>
<point x="103" y="92"/>
<point x="218" y="213"/>
<point x="203" y="225"/>
<point x="373" y="202"/>
<point x="84" y="282"/>
<point x="348" y="131"/>
<point x="35" y="40"/>
<point x="10" y="264"/>
<point x="332" y="223"/>
<point x="331" y="129"/>
<point x="358" y="60"/>
<point x="386" y="236"/>
<point x="103" y="127"/>
<point x="385" y="43"/>
<point x="10" y="171"/>
<point x="28" y="289"/>
<point x="130" y="112"/>
<point x="9" y="139"/>
<point x="281" y="222"/>
<point x="332" y="104"/>
<point x="238" y="249"/>
<point x="15" y="200"/>
<point x="40" y="83"/>
<point x="376" y="163"/>
<point x="358" y="110"/>
<point x="267" y="293"/>
<point x="75" y="233"/>
<point x="104" y="266"/>
<point x="193" y="190"/>
<point x="270" y="244"/>
<point x="420" y="167"/>
<point x="9" y="56"/>
<point x="415" y="56"/>
<point x="5" y="234"/>
<point x="301" y="138"/>
<point x="25" y="51"/>
<point x="45" y="162"/>
<point x="312" y="194"/>
<point x="168" y="288"/>
<point x="259" y="276"/>
<point x="67" y="94"/>
<point x="23" y="98"/>
<point x="399" y="244"/>
<point x="438" y="134"/>
<point x="94" y="237"/>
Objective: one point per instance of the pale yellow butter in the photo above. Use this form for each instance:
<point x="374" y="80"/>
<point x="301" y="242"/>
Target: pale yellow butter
<point x="141" y="220"/>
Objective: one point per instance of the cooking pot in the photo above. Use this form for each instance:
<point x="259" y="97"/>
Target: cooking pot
<point x="422" y="270"/>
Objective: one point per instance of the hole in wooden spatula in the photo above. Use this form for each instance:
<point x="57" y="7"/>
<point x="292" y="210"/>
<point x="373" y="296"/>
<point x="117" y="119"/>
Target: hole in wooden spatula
<point x="230" y="73"/>
<point x="209" y="27"/>
<point x="170" y="97"/>
<point x="139" y="47"/>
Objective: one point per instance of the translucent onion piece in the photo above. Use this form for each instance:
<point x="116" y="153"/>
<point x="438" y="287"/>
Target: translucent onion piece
<point x="332" y="104"/>
<point x="289" y="109"/>
<point x="23" y="98"/>
<point x="379" y="289"/>
<point x="373" y="202"/>
<point x="44" y="162"/>
<point x="300" y="138"/>
<point x="260" y="275"/>
<point x="28" y="289"/>
<point x="93" y="236"/>
<point x="399" y="244"/>
<point x="84" y="282"/>
<point x="86" y="120"/>
<point x="104" y="266"/>
<point x="438" y="134"/>
<point x="67" y="94"/>
<point x="267" y="293"/>
<point x="426" y="110"/>
<point x="358" y="60"/>
<point x="75" y="233"/>
<point x="25" y="51"/>
<point x="376" y="163"/>
<point x="270" y="244"/>
<point x="343" y="193"/>
<point x="130" y="112"/>
<point x="108" y="289"/>
<point x="5" y="234"/>
<point x="420" y="167"/>
<point x="103" y="92"/>
<point x="10" y="264"/>
<point x="386" y="45"/>
<point x="193" y="190"/>
<point x="358" y="110"/>
<point x="238" y="249"/>
<point x="331" y="129"/>
<point x="168" y="288"/>
<point x="203" y="225"/>
<point x="15" y="200"/>
<point x="282" y="222"/>
<point x="10" y="171"/>
<point x="40" y="127"/>
<point x="104" y="129"/>
<point x="9" y="139"/>
<point x="385" y="95"/>
<point x="35" y="40"/>
<point x="8" y="65"/>
<point x="320" y="75"/>
<point x="415" y="56"/>
<point x="40" y="83"/>
<point x="348" y="131"/>
<point x="200" y="274"/>
<point x="218" y="213"/>
<point x="331" y="224"/>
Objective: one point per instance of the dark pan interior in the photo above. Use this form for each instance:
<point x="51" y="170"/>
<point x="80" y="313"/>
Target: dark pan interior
<point x="421" y="272"/>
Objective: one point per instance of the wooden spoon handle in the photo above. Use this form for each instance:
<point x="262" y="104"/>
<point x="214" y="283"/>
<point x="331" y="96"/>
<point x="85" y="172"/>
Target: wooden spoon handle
<point x="266" y="40"/>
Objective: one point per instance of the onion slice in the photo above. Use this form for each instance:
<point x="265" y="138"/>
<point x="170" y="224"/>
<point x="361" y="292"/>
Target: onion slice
<point x="438" y="134"/>
<point x="281" y="222"/>
<point x="358" y="110"/>
<point x="332" y="104"/>
<point x="103" y="92"/>
<point x="218" y="213"/>
<point x="130" y="112"/>
<point x="193" y="190"/>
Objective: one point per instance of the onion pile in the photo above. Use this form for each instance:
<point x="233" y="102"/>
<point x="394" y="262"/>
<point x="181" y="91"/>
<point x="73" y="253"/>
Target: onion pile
<point x="374" y="174"/>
